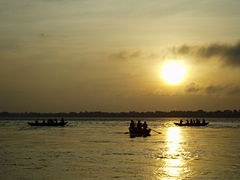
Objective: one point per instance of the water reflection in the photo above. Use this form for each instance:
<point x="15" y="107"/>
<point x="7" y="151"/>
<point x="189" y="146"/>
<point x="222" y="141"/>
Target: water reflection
<point x="173" y="162"/>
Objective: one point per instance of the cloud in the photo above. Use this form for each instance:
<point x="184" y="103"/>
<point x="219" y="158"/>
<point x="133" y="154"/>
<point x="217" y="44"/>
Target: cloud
<point x="235" y="91"/>
<point x="130" y="55"/>
<point x="214" y="89"/>
<point x="192" y="88"/>
<point x="223" y="90"/>
<point x="228" y="53"/>
<point x="43" y="35"/>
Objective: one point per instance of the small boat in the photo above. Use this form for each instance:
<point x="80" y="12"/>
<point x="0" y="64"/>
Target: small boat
<point x="61" y="123"/>
<point x="192" y="124"/>
<point x="134" y="132"/>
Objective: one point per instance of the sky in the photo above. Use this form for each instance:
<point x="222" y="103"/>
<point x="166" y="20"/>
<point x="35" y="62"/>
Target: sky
<point x="91" y="55"/>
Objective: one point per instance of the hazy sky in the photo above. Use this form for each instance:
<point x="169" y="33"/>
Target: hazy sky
<point x="106" y="55"/>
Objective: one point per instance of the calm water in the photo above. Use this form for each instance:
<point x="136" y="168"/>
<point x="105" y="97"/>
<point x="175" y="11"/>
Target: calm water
<point x="99" y="149"/>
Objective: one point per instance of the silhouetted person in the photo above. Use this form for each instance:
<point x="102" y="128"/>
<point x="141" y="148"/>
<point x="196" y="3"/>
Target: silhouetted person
<point x="62" y="121"/>
<point x="203" y="121"/>
<point x="181" y="121"/>
<point x="139" y="125"/>
<point x="145" y="126"/>
<point x="197" y="121"/>
<point x="132" y="124"/>
<point x="191" y="121"/>
<point x="187" y="122"/>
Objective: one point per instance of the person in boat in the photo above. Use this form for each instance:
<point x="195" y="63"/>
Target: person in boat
<point x="197" y="121"/>
<point x="181" y="121"/>
<point x="139" y="128"/>
<point x="187" y="122"/>
<point x="191" y="121"/>
<point x="62" y="121"/>
<point x="50" y="121"/>
<point x="203" y="121"/>
<point x="145" y="130"/>
<point x="132" y="124"/>
<point x="139" y="125"/>
<point x="145" y="125"/>
<point x="132" y="127"/>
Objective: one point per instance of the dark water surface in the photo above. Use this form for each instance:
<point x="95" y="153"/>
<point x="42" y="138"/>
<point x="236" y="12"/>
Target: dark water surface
<point x="99" y="149"/>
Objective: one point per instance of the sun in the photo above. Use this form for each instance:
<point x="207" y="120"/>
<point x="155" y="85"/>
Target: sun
<point x="173" y="72"/>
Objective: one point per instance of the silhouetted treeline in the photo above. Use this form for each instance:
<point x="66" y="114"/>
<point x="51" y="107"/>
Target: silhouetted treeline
<point x="199" y="113"/>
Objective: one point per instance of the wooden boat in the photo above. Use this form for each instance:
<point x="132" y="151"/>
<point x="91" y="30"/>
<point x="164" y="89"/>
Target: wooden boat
<point x="192" y="124"/>
<point x="134" y="132"/>
<point x="47" y="124"/>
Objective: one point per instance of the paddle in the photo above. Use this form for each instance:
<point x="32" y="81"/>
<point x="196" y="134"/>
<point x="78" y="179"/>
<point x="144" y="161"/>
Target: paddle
<point x="156" y="131"/>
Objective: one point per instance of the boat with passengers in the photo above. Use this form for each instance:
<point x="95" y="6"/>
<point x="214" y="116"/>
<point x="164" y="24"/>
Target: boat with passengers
<point x="140" y="130"/>
<point x="196" y="122"/>
<point x="50" y="122"/>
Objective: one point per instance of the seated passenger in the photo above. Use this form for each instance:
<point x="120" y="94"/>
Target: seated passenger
<point x="203" y="121"/>
<point x="145" y="126"/>
<point x="132" y="124"/>
<point x="139" y="125"/>
<point x="181" y="121"/>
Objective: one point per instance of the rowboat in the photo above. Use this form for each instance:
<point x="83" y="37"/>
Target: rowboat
<point x="134" y="132"/>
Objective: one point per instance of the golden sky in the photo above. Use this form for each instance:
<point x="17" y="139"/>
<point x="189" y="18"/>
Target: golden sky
<point x="76" y="55"/>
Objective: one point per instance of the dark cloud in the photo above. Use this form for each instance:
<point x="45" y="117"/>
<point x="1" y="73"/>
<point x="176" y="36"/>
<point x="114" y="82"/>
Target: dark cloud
<point x="235" y="91"/>
<point x="44" y="35"/>
<point x="129" y="55"/>
<point x="224" y="90"/>
<point x="192" y="88"/>
<point x="214" y="89"/>
<point x="229" y="53"/>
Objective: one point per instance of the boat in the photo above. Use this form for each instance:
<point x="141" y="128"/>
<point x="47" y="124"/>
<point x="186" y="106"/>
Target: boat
<point x="192" y="124"/>
<point x="49" y="123"/>
<point x="134" y="132"/>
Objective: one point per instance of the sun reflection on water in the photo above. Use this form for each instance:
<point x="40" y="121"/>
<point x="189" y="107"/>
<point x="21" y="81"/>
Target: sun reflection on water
<point x="173" y="162"/>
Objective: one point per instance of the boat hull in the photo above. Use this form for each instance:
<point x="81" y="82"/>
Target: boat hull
<point x="136" y="133"/>
<point x="48" y="124"/>
<point x="201" y="124"/>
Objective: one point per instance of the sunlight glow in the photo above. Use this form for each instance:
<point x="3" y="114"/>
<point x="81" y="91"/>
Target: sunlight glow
<point x="173" y="72"/>
<point x="173" y="164"/>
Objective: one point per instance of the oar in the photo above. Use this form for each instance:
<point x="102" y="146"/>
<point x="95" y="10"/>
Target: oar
<point x="156" y="131"/>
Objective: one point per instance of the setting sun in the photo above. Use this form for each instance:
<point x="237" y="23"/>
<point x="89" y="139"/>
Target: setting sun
<point x="173" y="72"/>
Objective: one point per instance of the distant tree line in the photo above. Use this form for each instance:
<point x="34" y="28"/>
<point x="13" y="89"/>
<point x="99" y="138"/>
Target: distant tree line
<point x="199" y="113"/>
